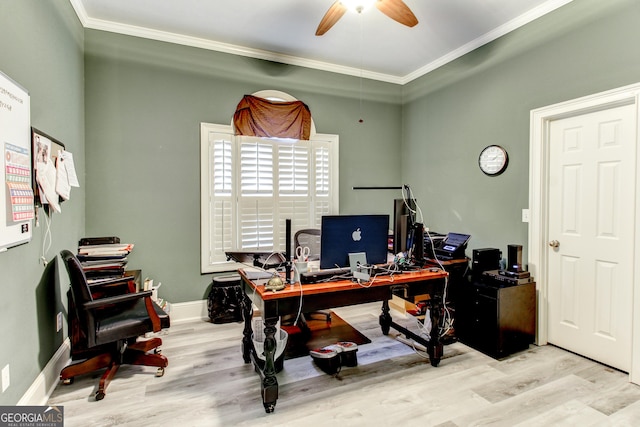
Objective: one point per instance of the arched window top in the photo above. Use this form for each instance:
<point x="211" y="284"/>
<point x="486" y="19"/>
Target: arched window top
<point x="275" y="95"/>
<point x="273" y="114"/>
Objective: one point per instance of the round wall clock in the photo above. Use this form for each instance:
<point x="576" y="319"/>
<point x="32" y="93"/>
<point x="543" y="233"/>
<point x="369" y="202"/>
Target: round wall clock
<point x="493" y="160"/>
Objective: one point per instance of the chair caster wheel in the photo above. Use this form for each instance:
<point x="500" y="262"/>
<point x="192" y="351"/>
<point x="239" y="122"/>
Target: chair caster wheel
<point x="157" y="351"/>
<point x="99" y="395"/>
<point x="67" y="381"/>
<point x="160" y="372"/>
<point x="269" y="408"/>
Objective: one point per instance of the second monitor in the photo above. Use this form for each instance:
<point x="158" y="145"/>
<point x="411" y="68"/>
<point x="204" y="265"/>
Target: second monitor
<point x="345" y="234"/>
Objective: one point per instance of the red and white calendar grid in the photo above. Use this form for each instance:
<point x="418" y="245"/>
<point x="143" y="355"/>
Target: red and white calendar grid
<point x="18" y="179"/>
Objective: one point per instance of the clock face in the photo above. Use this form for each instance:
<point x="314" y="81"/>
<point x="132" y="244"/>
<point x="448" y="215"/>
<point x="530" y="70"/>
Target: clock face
<point x="493" y="160"/>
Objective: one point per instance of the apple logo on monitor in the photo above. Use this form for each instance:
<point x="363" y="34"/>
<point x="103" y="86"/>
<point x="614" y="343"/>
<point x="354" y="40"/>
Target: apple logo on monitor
<point x="356" y="235"/>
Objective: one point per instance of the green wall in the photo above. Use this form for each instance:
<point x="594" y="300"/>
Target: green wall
<point x="451" y="114"/>
<point x="41" y="48"/>
<point x="145" y="102"/>
<point x="141" y="103"/>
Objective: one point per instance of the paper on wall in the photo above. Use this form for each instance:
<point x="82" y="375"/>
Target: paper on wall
<point x="46" y="177"/>
<point x="62" y="178"/>
<point x="67" y="159"/>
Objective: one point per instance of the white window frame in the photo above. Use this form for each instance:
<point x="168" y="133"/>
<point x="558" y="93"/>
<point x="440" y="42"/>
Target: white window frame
<point x="211" y="258"/>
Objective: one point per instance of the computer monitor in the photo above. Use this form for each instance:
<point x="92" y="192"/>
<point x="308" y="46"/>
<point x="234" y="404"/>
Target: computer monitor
<point x="345" y="234"/>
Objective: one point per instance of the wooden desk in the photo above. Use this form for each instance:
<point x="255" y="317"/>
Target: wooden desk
<point x="330" y="295"/>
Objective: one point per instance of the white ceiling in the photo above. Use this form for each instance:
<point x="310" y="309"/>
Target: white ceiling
<point x="368" y="44"/>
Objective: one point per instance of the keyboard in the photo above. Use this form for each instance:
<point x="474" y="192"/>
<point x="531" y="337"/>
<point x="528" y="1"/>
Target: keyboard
<point x="323" y="275"/>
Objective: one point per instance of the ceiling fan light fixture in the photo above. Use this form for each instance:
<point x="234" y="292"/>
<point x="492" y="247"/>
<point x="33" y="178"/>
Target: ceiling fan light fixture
<point x="394" y="9"/>
<point x="358" y="5"/>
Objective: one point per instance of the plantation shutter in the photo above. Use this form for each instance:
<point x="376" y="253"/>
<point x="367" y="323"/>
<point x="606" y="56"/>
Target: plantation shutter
<point x="221" y="198"/>
<point x="255" y="202"/>
<point x="251" y="185"/>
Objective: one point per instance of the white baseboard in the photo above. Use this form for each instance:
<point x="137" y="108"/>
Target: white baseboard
<point x="48" y="379"/>
<point x="188" y="311"/>
<point x="44" y="384"/>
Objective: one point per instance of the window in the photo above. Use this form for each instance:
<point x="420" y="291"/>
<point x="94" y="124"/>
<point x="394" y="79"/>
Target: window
<point x="251" y="185"/>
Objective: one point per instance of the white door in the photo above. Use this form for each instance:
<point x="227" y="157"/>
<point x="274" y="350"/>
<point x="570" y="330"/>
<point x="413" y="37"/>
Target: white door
<point x="591" y="232"/>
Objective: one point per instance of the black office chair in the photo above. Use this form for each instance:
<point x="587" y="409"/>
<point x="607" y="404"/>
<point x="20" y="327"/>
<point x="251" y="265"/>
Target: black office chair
<point x="104" y="327"/>
<point x="310" y="238"/>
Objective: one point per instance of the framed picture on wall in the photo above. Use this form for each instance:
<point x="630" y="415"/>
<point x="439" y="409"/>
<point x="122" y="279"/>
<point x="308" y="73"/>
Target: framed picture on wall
<point x="45" y="153"/>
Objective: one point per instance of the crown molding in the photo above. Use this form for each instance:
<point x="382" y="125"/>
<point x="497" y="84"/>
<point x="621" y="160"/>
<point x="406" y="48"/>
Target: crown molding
<point x="486" y="38"/>
<point x="164" y="36"/>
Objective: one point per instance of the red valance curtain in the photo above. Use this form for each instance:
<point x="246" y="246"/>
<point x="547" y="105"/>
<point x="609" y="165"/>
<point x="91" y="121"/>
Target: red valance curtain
<point x="261" y="117"/>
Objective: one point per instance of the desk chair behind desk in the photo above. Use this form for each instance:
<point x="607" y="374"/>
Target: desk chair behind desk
<point x="310" y="238"/>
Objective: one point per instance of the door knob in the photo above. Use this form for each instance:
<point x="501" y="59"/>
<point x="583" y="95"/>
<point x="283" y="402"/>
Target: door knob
<point x="554" y="243"/>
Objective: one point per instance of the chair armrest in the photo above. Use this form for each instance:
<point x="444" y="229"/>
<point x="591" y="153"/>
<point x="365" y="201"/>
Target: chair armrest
<point x="153" y="315"/>
<point x="116" y="299"/>
<point x="126" y="298"/>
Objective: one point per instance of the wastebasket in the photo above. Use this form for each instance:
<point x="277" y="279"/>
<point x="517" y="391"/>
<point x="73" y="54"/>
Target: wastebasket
<point x="258" y="344"/>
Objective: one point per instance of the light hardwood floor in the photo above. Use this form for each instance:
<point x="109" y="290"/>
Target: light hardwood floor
<point x="207" y="384"/>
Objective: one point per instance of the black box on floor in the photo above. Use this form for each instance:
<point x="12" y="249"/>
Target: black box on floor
<point x="225" y="297"/>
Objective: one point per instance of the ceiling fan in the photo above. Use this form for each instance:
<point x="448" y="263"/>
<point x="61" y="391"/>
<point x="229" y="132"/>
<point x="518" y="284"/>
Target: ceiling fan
<point x="394" y="9"/>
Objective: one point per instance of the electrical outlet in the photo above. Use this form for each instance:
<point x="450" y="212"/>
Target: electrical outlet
<point x="58" y="322"/>
<point x="525" y="215"/>
<point x="6" y="378"/>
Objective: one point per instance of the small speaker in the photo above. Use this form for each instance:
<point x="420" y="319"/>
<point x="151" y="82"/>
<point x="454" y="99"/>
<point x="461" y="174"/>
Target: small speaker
<point x="514" y="258"/>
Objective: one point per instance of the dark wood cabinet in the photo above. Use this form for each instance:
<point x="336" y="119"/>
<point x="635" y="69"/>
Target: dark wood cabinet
<point x="496" y="320"/>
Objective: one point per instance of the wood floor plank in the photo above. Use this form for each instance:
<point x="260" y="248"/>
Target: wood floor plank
<point x="208" y="384"/>
<point x="534" y="401"/>
<point x="626" y="417"/>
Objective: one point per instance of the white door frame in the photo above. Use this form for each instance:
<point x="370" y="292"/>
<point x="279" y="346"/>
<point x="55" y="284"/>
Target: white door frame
<point x="539" y="196"/>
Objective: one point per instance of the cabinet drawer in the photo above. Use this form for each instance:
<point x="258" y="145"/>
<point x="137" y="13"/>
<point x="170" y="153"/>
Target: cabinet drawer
<point x="486" y="291"/>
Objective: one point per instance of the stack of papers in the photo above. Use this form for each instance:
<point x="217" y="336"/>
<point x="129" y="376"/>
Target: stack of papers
<point x="104" y="261"/>
<point x="108" y="249"/>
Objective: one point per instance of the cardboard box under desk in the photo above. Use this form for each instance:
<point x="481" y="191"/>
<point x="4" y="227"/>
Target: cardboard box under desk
<point x="404" y="306"/>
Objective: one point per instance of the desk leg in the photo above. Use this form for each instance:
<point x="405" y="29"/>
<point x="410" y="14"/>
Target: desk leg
<point x="435" y="347"/>
<point x="247" y="344"/>
<point x="269" y="380"/>
<point x="385" y="318"/>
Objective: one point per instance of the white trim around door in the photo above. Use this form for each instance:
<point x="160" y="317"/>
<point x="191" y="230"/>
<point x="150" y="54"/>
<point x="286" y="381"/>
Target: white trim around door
<point x="538" y="202"/>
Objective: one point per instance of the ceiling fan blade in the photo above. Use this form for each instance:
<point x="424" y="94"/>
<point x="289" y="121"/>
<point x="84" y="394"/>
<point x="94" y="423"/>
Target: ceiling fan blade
<point x="398" y="11"/>
<point x="329" y="19"/>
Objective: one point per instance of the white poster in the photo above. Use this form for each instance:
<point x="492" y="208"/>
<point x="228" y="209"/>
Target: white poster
<point x="16" y="194"/>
